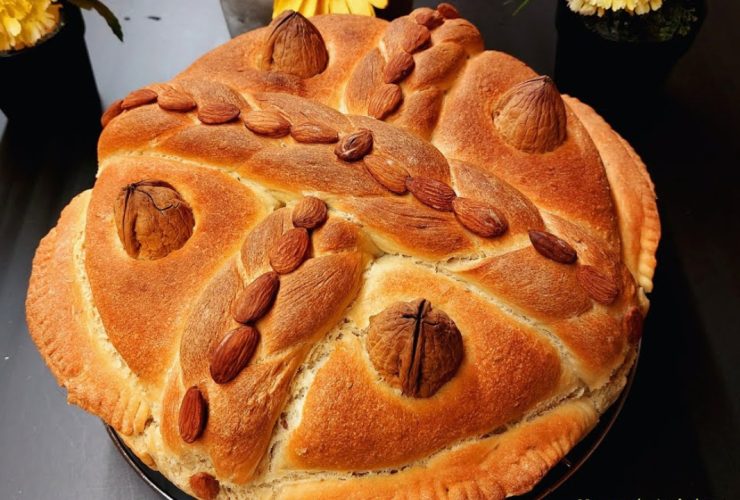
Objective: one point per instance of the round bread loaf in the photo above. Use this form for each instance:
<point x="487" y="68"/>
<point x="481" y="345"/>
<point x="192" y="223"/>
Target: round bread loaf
<point x="350" y="258"/>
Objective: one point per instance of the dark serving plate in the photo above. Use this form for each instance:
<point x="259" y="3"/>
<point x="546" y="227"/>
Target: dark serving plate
<point x="556" y="477"/>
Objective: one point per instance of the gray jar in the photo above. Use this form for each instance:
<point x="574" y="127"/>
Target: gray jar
<point x="245" y="15"/>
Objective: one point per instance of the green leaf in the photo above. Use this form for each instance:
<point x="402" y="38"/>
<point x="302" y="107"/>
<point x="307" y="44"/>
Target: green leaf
<point x="522" y="4"/>
<point x="104" y="11"/>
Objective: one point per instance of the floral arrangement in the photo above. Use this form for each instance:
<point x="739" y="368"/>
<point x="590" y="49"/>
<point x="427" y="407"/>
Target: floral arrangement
<point x="675" y="19"/>
<point x="635" y="20"/>
<point x="599" y="7"/>
<point x="314" y="7"/>
<point x="24" y="23"/>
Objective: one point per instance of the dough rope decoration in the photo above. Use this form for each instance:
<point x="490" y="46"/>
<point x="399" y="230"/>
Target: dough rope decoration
<point x="344" y="256"/>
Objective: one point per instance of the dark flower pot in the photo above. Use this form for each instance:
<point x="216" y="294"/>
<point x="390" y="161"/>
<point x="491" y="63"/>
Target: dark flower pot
<point x="396" y="8"/>
<point x="619" y="63"/>
<point x="51" y="85"/>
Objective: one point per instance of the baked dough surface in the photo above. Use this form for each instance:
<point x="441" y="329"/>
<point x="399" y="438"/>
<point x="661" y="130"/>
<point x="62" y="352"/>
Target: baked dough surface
<point x="310" y="415"/>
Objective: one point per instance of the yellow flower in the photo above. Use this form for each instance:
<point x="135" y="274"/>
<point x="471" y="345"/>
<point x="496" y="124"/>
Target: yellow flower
<point x="314" y="7"/>
<point x="598" y="7"/>
<point x="24" y="22"/>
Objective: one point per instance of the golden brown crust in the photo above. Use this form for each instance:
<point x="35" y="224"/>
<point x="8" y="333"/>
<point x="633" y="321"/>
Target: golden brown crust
<point x="491" y="468"/>
<point x="351" y="421"/>
<point x="435" y="234"/>
<point x="143" y="303"/>
<point x="569" y="181"/>
<point x="366" y="77"/>
<point x="240" y="138"/>
<point x="633" y="192"/>
<point x="309" y="301"/>
<point x="61" y="324"/>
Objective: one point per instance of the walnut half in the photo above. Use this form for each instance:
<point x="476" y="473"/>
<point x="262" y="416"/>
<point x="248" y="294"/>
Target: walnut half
<point x="531" y="116"/>
<point x="152" y="219"/>
<point x="294" y="46"/>
<point x="414" y="347"/>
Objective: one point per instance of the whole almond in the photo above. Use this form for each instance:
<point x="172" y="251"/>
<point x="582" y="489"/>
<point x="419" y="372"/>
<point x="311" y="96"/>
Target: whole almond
<point x="632" y="323"/>
<point x="398" y="67"/>
<point x="267" y="123"/>
<point x="536" y="101"/>
<point x="113" y="110"/>
<point x="138" y="98"/>
<point x="384" y="101"/>
<point x="176" y="100"/>
<point x="598" y="285"/>
<point x="448" y="11"/>
<point x="431" y="193"/>
<point x="204" y="485"/>
<point x="312" y="133"/>
<point x="355" y="146"/>
<point x="193" y="415"/>
<point x="309" y="212"/>
<point x="216" y="113"/>
<point x="290" y="250"/>
<point x="553" y="247"/>
<point x="479" y="218"/>
<point x="429" y="18"/>
<point x="257" y="298"/>
<point x="233" y="353"/>
<point x="415" y="38"/>
<point x="387" y="173"/>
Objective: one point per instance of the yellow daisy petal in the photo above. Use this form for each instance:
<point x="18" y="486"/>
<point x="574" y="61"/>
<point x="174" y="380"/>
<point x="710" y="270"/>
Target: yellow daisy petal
<point x="308" y="8"/>
<point x="280" y="6"/>
<point x="599" y="7"/>
<point x="322" y="7"/>
<point x="24" y="22"/>
<point x="12" y="25"/>
<point x="316" y="7"/>
<point x="339" y="7"/>
<point x="361" y="7"/>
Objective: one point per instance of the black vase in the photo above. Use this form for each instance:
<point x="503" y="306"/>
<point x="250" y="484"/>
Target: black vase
<point x="395" y="8"/>
<point x="51" y="86"/>
<point x="619" y="63"/>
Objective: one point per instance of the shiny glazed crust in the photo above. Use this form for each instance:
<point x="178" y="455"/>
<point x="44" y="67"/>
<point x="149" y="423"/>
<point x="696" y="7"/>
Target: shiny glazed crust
<point x="545" y="350"/>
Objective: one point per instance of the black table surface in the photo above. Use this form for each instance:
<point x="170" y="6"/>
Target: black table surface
<point x="678" y="435"/>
